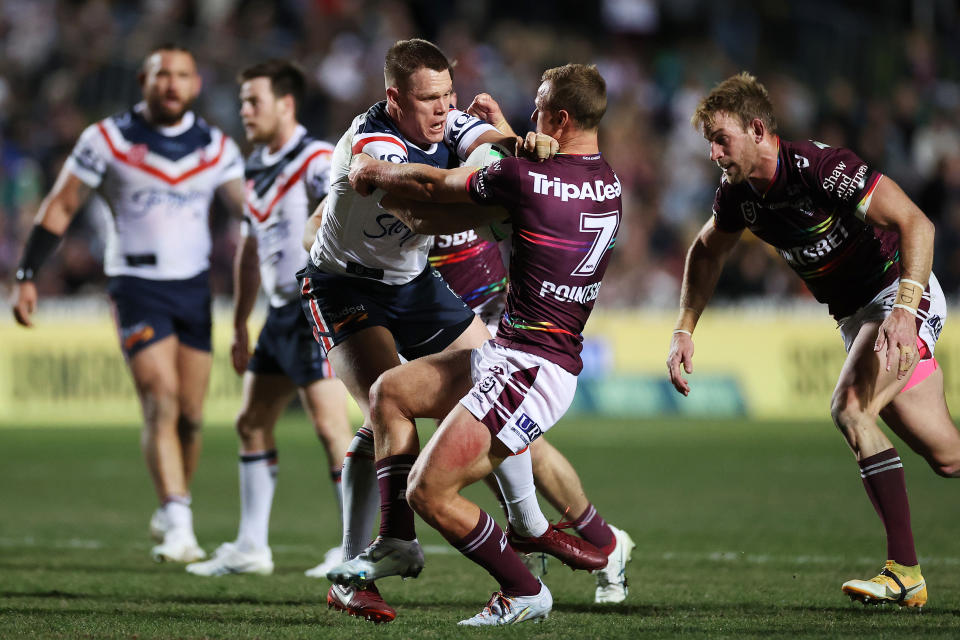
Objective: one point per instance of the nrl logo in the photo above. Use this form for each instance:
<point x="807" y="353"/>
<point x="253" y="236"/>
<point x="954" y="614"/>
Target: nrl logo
<point x="749" y="210"/>
<point x="137" y="153"/>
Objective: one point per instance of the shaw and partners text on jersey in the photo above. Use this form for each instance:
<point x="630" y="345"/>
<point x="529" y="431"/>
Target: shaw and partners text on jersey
<point x="598" y="191"/>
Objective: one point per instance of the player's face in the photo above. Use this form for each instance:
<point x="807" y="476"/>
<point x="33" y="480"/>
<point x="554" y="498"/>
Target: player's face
<point x="259" y="110"/>
<point x="542" y="117"/>
<point x="170" y="83"/>
<point x="421" y="105"/>
<point x="734" y="148"/>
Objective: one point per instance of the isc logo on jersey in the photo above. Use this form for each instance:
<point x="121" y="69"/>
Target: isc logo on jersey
<point x="597" y="191"/>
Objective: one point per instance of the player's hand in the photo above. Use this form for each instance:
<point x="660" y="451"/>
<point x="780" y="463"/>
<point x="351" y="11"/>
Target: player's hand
<point x="487" y="109"/>
<point x="897" y="337"/>
<point x="24" y="302"/>
<point x="537" y="146"/>
<point x="359" y="174"/>
<point x="681" y="353"/>
<point x="240" y="349"/>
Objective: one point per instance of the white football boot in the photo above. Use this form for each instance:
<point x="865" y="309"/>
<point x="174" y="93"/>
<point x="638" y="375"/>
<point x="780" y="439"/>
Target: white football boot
<point x="612" y="579"/>
<point x="383" y="558"/>
<point x="331" y="558"/>
<point x="159" y="524"/>
<point x="503" y="609"/>
<point x="179" y="545"/>
<point x="230" y="558"/>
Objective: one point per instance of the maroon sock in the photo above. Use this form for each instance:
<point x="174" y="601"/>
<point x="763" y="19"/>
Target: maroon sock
<point x="396" y="516"/>
<point x="487" y="546"/>
<point x="886" y="487"/>
<point x="594" y="529"/>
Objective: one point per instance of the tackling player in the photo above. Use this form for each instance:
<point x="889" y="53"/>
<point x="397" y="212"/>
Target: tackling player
<point x="565" y="214"/>
<point x="863" y="248"/>
<point x="370" y="294"/>
<point x="287" y="174"/>
<point x="157" y="166"/>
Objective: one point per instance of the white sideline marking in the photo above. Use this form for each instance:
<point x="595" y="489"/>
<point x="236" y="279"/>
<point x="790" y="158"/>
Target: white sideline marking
<point x="442" y="549"/>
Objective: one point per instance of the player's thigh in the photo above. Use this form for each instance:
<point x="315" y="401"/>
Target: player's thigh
<point x="920" y="417"/>
<point x="325" y="401"/>
<point x="461" y="452"/>
<point x="193" y="372"/>
<point x="154" y="368"/>
<point x="361" y="358"/>
<point x="864" y="378"/>
<point x="265" y="397"/>
<point x="428" y="387"/>
<point x="473" y="336"/>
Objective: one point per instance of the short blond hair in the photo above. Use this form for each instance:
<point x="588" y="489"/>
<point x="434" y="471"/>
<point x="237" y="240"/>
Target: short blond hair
<point x="580" y="90"/>
<point x="741" y="96"/>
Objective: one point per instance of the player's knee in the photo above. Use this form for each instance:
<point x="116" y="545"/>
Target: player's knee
<point x="419" y="496"/>
<point x="947" y="467"/>
<point x="247" y="424"/>
<point x="188" y="426"/>
<point x="384" y="398"/>
<point x="160" y="405"/>
<point x="846" y="408"/>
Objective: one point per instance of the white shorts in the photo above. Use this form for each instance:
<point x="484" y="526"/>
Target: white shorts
<point x="930" y="316"/>
<point x="517" y="395"/>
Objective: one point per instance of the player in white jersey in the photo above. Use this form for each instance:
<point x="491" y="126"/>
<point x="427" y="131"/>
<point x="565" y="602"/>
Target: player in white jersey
<point x="287" y="175"/>
<point x="158" y="167"/>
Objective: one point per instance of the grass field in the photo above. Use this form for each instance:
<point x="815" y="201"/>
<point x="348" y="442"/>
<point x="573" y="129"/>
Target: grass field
<point x="743" y="530"/>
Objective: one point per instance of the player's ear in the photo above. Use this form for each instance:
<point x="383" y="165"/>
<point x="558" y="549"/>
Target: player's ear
<point x="562" y="118"/>
<point x="393" y="97"/>
<point x="757" y="129"/>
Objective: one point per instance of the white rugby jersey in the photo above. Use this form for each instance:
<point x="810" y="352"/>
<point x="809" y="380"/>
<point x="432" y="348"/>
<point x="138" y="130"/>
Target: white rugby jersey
<point x="158" y="183"/>
<point x="359" y="238"/>
<point x="282" y="189"/>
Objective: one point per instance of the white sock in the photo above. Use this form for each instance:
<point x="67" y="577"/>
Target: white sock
<point x="258" y="479"/>
<point x="361" y="494"/>
<point x="177" y="510"/>
<point x="515" y="477"/>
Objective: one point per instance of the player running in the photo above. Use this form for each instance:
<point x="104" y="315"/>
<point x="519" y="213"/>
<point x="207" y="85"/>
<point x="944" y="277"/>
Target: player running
<point x="863" y="248"/>
<point x="287" y="174"/>
<point x="157" y="166"/>
<point x="565" y="214"/>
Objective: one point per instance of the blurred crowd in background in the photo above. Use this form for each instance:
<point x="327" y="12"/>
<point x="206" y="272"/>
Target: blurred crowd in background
<point x="881" y="77"/>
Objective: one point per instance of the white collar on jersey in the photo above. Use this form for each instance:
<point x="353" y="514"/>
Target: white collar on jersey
<point x="272" y="158"/>
<point x="429" y="150"/>
<point x="185" y="123"/>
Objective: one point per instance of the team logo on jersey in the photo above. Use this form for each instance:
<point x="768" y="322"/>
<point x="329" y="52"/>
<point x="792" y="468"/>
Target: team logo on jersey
<point x="137" y="153"/>
<point x="487" y="384"/>
<point x="749" y="211"/>
<point x="936" y="325"/>
<point x="496" y="370"/>
<point x="802" y="162"/>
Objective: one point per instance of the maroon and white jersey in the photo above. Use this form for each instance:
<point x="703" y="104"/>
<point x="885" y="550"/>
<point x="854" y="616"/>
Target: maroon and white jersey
<point x="470" y="265"/>
<point x="565" y="214"/>
<point x="813" y="212"/>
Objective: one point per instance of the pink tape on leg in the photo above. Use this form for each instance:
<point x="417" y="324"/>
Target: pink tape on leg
<point x="924" y="369"/>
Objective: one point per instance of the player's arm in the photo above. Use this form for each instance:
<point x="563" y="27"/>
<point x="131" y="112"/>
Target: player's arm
<point x="246" y="284"/>
<point x="410" y="180"/>
<point x="534" y="146"/>
<point x="313" y="225"/>
<point x="56" y="212"/>
<point x="890" y="208"/>
<point x="231" y="195"/>
<point x="700" y="274"/>
<point x="430" y="218"/>
<point x="488" y="110"/>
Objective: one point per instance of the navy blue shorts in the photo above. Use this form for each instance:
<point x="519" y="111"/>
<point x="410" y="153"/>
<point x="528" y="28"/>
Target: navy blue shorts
<point x="150" y="310"/>
<point x="423" y="315"/>
<point x="286" y="346"/>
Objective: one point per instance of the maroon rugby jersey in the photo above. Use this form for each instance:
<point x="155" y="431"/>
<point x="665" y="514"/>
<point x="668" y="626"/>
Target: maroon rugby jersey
<point x="812" y="213"/>
<point x="470" y="265"/>
<point x="565" y="214"/>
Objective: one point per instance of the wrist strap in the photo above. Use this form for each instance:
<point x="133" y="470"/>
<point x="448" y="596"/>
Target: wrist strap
<point x="909" y="281"/>
<point x="676" y="331"/>
<point x="40" y="244"/>
<point x="905" y="308"/>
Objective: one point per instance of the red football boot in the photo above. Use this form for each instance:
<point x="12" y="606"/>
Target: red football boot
<point x="362" y="603"/>
<point x="572" y="551"/>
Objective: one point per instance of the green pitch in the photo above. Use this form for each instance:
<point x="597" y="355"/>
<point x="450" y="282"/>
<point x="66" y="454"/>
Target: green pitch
<point x="743" y="530"/>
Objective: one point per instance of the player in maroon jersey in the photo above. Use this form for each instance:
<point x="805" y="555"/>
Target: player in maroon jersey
<point x="473" y="268"/>
<point x="565" y="214"/>
<point x="863" y="248"/>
